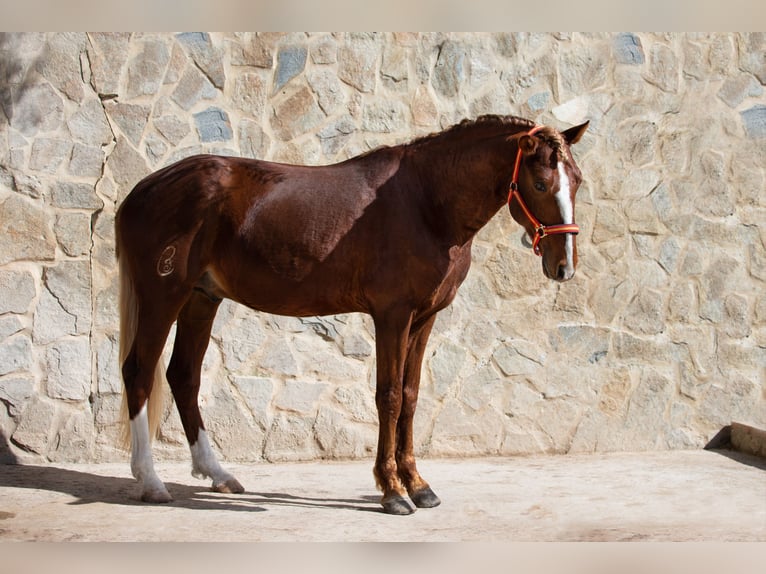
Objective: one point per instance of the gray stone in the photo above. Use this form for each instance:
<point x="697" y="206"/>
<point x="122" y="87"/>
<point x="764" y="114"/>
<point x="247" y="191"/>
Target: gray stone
<point x="172" y="128"/>
<point x="155" y="148"/>
<point x="258" y="393"/>
<point x="250" y="94"/>
<point x="51" y="321"/>
<point x="17" y="290"/>
<point x="108" y="377"/>
<point x="107" y="54"/>
<point x="394" y="66"/>
<point x="39" y="108"/>
<point x="27" y="184"/>
<point x="385" y="117"/>
<point x="75" y="196"/>
<point x="299" y="113"/>
<point x="518" y="358"/>
<point x="754" y="120"/>
<point x="324" y="50"/>
<point x="358" y="402"/>
<point x="445" y="365"/>
<point x="192" y="88"/>
<point x="663" y="68"/>
<point x="335" y="435"/>
<point x="25" y="233"/>
<point x="70" y="283"/>
<point x="423" y="107"/>
<point x="253" y="141"/>
<point x="356" y="346"/>
<point x="291" y="60"/>
<point x="205" y="55"/>
<point x="68" y="367"/>
<point x="581" y="343"/>
<point x="146" y="70"/>
<point x="48" y="154"/>
<point x="15" y="354"/>
<point x="256" y="52"/>
<point x="278" y="358"/>
<point x="358" y="65"/>
<point x="336" y="135"/>
<point x="583" y="69"/>
<point x="300" y="397"/>
<point x="539" y="101"/>
<point x="9" y="325"/>
<point x="75" y="438"/>
<point x="669" y="253"/>
<point x="736" y="89"/>
<point x="130" y="118"/>
<point x="610" y="224"/>
<point x="15" y="392"/>
<point x="60" y="63"/>
<point x="627" y="49"/>
<point x="73" y="233"/>
<point x="213" y="125"/>
<point x="450" y="70"/>
<point x="646" y="313"/>
<point x="290" y="438"/>
<point x="751" y="55"/>
<point x="233" y="434"/>
<point x="126" y="165"/>
<point x="737" y="318"/>
<point x="86" y="161"/>
<point x="89" y="125"/>
<point x="36" y="426"/>
<point x="328" y="90"/>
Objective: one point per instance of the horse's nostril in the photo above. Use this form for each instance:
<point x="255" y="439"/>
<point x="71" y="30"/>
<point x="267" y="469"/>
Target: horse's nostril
<point x="562" y="272"/>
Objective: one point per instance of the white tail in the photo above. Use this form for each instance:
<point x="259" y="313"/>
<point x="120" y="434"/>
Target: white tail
<point x="128" y="326"/>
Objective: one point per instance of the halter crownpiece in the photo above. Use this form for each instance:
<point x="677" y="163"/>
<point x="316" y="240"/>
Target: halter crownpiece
<point x="540" y="229"/>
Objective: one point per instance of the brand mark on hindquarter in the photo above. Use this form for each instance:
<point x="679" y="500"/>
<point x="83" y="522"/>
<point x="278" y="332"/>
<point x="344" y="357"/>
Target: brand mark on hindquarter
<point x="165" y="265"/>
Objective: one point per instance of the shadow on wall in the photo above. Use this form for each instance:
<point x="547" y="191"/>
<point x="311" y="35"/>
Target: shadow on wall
<point x="6" y="454"/>
<point x="14" y="77"/>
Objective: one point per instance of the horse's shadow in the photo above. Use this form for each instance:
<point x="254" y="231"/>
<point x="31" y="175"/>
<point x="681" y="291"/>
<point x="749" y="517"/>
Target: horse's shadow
<point x="88" y="488"/>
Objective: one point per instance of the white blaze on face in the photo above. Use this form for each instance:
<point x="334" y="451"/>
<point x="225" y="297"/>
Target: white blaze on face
<point x="564" y="201"/>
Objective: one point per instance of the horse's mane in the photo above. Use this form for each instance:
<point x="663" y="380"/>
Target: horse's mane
<point x="489" y="125"/>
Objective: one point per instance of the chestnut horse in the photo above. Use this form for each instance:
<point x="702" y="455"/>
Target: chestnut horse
<point x="386" y="233"/>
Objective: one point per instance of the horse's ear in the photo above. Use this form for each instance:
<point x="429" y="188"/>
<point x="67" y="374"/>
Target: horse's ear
<point x="573" y="135"/>
<point x="527" y="144"/>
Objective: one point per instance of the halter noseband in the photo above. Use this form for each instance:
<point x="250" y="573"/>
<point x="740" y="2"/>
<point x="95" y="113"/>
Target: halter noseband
<point x="540" y="229"/>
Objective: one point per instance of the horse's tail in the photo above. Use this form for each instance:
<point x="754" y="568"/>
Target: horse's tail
<point x="128" y="328"/>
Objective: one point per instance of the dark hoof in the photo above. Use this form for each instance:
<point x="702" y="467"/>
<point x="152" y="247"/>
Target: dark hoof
<point x="397" y="505"/>
<point x="156" y="496"/>
<point x="425" y="498"/>
<point x="231" y="486"/>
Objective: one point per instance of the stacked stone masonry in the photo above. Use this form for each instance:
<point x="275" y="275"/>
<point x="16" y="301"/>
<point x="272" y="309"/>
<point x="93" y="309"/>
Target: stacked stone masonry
<point x="657" y="343"/>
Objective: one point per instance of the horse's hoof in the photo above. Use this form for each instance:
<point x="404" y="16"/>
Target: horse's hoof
<point x="425" y="498"/>
<point x="397" y="505"/>
<point x="231" y="486"/>
<point x="156" y="496"/>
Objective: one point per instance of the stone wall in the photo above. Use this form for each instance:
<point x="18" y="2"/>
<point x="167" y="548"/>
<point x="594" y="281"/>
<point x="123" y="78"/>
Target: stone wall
<point x="658" y="342"/>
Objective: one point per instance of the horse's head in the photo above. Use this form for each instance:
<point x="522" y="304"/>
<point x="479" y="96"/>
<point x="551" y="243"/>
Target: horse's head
<point x="542" y="198"/>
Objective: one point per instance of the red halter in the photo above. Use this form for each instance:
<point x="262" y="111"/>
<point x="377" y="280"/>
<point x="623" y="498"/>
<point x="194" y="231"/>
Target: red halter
<point x="540" y="229"/>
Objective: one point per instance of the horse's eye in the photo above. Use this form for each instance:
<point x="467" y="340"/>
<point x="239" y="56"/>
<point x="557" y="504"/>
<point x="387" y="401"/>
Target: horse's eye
<point x="540" y="186"/>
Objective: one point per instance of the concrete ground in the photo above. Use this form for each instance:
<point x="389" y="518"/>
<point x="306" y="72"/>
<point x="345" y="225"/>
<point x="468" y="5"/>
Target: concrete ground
<point x="657" y="496"/>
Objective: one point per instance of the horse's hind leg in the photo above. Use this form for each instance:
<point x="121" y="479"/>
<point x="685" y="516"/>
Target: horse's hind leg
<point x="195" y="322"/>
<point x="142" y="373"/>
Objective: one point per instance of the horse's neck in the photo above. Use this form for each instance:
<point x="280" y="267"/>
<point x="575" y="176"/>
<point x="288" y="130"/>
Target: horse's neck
<point x="465" y="187"/>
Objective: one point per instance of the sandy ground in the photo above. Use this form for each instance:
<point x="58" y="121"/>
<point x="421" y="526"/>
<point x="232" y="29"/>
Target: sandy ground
<point x="660" y="496"/>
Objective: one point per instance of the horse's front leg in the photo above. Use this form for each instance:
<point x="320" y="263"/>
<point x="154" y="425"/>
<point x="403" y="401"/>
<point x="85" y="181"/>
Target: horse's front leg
<point x="391" y="341"/>
<point x="418" y="489"/>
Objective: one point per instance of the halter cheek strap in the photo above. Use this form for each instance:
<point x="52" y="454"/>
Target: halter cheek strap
<point x="540" y="229"/>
